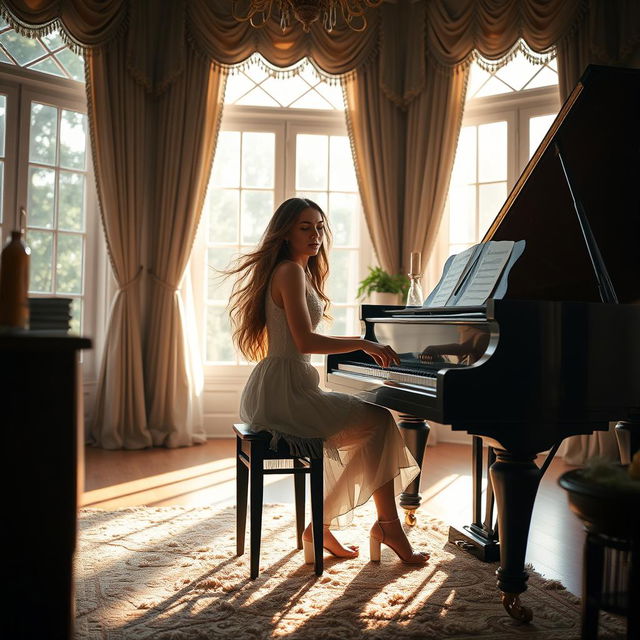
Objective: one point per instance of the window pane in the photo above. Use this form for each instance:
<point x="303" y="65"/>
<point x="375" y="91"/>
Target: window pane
<point x="477" y="77"/>
<point x="48" y="66"/>
<point x="223" y="206"/>
<point x="341" y="172"/>
<point x="73" y="134"/>
<point x="69" y="267"/>
<point x="491" y="197"/>
<point x="457" y="248"/>
<point x="72" y="63"/>
<point x="311" y="161"/>
<point x="3" y="122"/>
<point x="24" y="50"/>
<point x="40" y="268"/>
<point x="332" y="93"/>
<point x="285" y="92"/>
<point x="492" y="152"/>
<point x="258" y="159"/>
<point x="76" y="316"/>
<point x="226" y="166"/>
<point x="219" y="258"/>
<point x="344" y="209"/>
<point x="518" y="71"/>
<point x="257" y="97"/>
<point x="257" y="208"/>
<point x="464" y="168"/>
<point x="71" y="201"/>
<point x="462" y="214"/>
<point x="544" y="78"/>
<point x="538" y="128"/>
<point x="319" y="197"/>
<point x="42" y="135"/>
<point x="220" y="346"/>
<point x="339" y="325"/>
<point x="343" y="274"/>
<point x="493" y="87"/>
<point x="53" y="40"/>
<point x="311" y="100"/>
<point x="237" y="85"/>
<point x="41" y="197"/>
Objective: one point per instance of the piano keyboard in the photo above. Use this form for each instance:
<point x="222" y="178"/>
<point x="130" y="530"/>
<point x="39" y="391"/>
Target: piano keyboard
<point x="397" y="374"/>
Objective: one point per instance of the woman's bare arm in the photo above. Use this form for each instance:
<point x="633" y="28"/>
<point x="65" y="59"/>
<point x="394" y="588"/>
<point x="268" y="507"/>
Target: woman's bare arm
<point x="289" y="283"/>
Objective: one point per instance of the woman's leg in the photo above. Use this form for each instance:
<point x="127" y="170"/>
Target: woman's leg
<point x="332" y="544"/>
<point x="394" y="535"/>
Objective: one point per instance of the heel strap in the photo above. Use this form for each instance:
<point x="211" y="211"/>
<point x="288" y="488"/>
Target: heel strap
<point x="388" y="521"/>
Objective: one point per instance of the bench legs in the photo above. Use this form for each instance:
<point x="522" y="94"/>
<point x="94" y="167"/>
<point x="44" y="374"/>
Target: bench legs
<point x="298" y="483"/>
<point x="255" y="487"/>
<point x="317" y="513"/>
<point x="249" y="482"/>
<point x="242" y="489"/>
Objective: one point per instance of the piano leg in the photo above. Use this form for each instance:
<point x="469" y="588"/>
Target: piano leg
<point x="415" y="432"/>
<point x="515" y="479"/>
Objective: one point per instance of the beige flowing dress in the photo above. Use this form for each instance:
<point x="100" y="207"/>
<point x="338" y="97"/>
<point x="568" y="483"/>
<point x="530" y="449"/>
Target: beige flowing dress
<point x="363" y="447"/>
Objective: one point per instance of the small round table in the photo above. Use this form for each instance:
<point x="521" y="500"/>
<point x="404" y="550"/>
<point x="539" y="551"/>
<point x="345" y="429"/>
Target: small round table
<point x="611" y="570"/>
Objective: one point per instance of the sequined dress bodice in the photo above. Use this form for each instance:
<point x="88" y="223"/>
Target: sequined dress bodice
<point x="281" y="344"/>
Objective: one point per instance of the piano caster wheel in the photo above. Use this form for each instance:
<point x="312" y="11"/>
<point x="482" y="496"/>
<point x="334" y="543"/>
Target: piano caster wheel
<point x="410" y="517"/>
<point x="511" y="603"/>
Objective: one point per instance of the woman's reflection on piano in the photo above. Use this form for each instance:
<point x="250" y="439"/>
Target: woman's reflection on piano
<point x="472" y="344"/>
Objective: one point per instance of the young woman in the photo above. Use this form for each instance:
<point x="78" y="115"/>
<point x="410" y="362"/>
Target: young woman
<point x="276" y="305"/>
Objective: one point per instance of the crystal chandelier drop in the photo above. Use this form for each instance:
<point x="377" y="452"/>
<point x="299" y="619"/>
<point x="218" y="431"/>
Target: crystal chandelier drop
<point x="258" y="12"/>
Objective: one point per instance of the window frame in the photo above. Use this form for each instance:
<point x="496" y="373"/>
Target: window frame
<point x="24" y="86"/>
<point x="516" y="109"/>
<point x="287" y="122"/>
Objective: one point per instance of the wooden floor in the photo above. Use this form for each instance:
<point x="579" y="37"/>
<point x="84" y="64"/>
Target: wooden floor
<point x="205" y="475"/>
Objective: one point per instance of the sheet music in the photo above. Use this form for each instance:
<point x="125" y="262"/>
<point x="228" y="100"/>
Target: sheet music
<point x="488" y="270"/>
<point x="452" y="277"/>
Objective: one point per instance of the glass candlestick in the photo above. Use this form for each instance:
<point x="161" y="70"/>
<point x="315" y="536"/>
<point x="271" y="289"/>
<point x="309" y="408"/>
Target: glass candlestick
<point x="414" y="297"/>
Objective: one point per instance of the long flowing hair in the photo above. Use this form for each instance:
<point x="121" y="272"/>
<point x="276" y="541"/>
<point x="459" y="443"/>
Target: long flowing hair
<point x="253" y="271"/>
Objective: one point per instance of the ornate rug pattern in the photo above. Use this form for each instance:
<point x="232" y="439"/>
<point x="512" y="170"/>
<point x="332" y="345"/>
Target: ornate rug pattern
<point x="170" y="573"/>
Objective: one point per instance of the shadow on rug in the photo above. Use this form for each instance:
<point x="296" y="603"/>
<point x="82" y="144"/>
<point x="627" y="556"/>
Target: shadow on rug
<point x="171" y="573"/>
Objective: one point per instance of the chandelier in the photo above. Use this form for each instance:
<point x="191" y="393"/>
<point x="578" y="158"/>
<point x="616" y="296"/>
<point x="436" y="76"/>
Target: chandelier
<point x="258" y="12"/>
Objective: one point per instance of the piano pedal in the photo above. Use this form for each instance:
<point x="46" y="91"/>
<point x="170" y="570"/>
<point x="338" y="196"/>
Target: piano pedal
<point x="482" y="548"/>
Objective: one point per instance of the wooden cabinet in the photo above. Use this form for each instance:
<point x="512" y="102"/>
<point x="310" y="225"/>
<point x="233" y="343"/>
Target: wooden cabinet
<point x="41" y="431"/>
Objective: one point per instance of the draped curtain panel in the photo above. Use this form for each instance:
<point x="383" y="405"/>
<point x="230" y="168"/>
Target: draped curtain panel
<point x="433" y="125"/>
<point x="119" y="121"/>
<point x="377" y="136"/>
<point x="187" y="116"/>
<point x="404" y="79"/>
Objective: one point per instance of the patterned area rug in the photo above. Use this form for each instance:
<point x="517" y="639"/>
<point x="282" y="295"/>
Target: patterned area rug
<point x="171" y="573"/>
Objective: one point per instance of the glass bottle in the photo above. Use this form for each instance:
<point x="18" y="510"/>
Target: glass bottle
<point x="14" y="282"/>
<point x="415" y="297"/>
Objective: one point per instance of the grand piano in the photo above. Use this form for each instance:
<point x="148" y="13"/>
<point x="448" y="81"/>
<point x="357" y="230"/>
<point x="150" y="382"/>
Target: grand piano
<point x="559" y="354"/>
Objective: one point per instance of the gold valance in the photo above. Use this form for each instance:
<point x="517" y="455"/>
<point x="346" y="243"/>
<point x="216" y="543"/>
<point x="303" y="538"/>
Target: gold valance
<point x="402" y="33"/>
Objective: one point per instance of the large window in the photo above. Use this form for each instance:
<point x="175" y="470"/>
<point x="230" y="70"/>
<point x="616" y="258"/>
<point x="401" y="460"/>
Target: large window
<point x="56" y="202"/>
<point x="45" y="54"/>
<point x="45" y="167"/>
<point x="280" y="138"/>
<point x="507" y="113"/>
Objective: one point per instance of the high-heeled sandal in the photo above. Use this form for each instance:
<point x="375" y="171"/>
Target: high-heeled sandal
<point x="309" y="555"/>
<point x="377" y="538"/>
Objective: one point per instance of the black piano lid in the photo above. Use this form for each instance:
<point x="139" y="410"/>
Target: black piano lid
<point x="598" y="129"/>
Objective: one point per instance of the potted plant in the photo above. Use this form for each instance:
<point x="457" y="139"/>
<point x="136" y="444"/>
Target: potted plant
<point x="383" y="288"/>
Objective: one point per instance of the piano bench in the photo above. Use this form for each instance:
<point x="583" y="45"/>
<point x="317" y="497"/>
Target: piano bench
<point x="254" y="460"/>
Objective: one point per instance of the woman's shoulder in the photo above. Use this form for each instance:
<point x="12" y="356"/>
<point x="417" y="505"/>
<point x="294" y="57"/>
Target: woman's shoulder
<point x="287" y="269"/>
